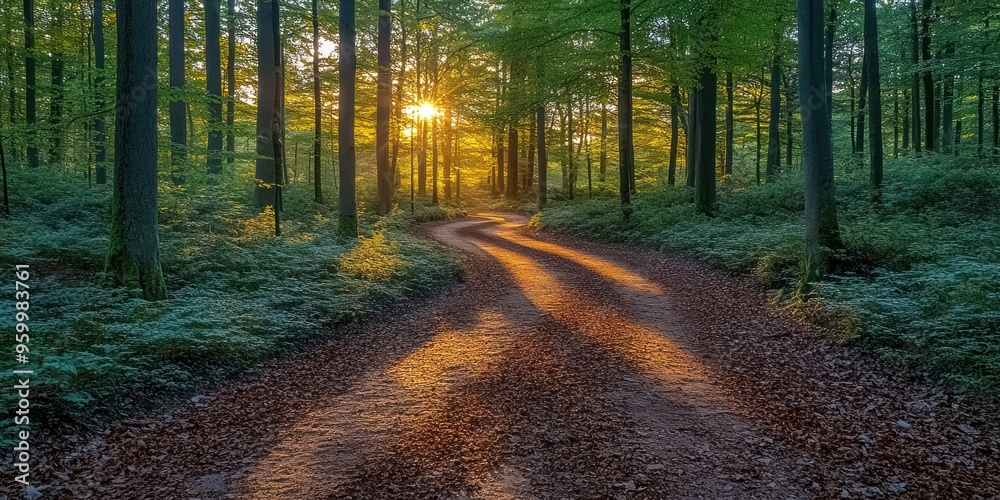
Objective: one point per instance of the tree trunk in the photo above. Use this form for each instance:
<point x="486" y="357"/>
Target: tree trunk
<point x="692" y="138"/>
<point x="543" y="163"/>
<point x="386" y="185"/>
<point x="498" y="179"/>
<point x="875" y="95"/>
<point x="675" y="98"/>
<point x="603" y="169"/>
<point x="931" y="131"/>
<point x="512" y="159"/>
<point x="99" y="130"/>
<point x="178" y="109"/>
<point x="434" y="160"/>
<point x="626" y="158"/>
<point x="317" y="110"/>
<point x="729" y="123"/>
<point x="133" y="246"/>
<point x="915" y="83"/>
<point x="267" y="86"/>
<point x="29" y="80"/>
<point x="704" y="175"/>
<point x="773" y="134"/>
<point x="55" y="109"/>
<point x="399" y="96"/>
<point x="822" y="229"/>
<point x="231" y="81"/>
<point x="348" y="77"/>
<point x="980" y="114"/>
<point x="906" y="119"/>
<point x="996" y="119"/>
<point x="446" y="151"/>
<point x="831" y="29"/>
<point x="530" y="175"/>
<point x="213" y="79"/>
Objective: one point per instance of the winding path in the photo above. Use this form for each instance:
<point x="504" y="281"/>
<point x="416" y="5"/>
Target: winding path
<point x="558" y="369"/>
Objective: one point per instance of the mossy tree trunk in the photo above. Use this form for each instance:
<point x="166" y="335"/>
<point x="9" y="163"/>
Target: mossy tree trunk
<point x="133" y="247"/>
<point x="348" y="76"/>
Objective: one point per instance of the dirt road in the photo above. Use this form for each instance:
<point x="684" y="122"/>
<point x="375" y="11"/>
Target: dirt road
<point x="558" y="369"/>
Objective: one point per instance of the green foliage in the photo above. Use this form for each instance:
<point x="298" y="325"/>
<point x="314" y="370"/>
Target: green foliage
<point x="917" y="282"/>
<point x="237" y="294"/>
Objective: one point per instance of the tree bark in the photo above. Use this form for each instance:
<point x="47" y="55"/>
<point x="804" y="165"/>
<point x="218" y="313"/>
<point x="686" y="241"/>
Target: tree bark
<point x="100" y="155"/>
<point x="231" y="81"/>
<point x="178" y="118"/>
<point x="915" y="80"/>
<point x="948" y="104"/>
<point x="543" y="164"/>
<point x="675" y="98"/>
<point x="875" y="95"/>
<point x="133" y="258"/>
<point x="267" y="86"/>
<point x="729" y="123"/>
<point x="348" y="77"/>
<point x="626" y="157"/>
<point x="822" y="229"/>
<point x="213" y="80"/>
<point x="831" y="29"/>
<point x="29" y="80"/>
<point x="931" y="132"/>
<point x="704" y="175"/>
<point x="692" y="138"/>
<point x="512" y="159"/>
<point x="317" y="110"/>
<point x="386" y="185"/>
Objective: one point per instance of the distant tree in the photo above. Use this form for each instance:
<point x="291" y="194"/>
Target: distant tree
<point x="822" y="229"/>
<point x="348" y="76"/>
<point x="386" y="185"/>
<point x="56" y="89"/>
<point x="512" y="160"/>
<point x="543" y="162"/>
<point x="133" y="247"/>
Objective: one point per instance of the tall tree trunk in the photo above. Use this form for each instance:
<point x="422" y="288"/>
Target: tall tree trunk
<point x="512" y="159"/>
<point x="822" y="229"/>
<point x="529" y="177"/>
<point x="543" y="163"/>
<point x="100" y="157"/>
<point x="399" y="95"/>
<point x="602" y="172"/>
<point x="348" y="77"/>
<point x="931" y="131"/>
<point x="213" y="80"/>
<point x="704" y="175"/>
<point x="498" y="180"/>
<point x="317" y="110"/>
<point x="55" y="109"/>
<point x="386" y="185"/>
<point x="626" y="157"/>
<point x="133" y="246"/>
<point x="729" y="123"/>
<point x="571" y="181"/>
<point x="434" y="160"/>
<point x="915" y="80"/>
<point x="231" y="81"/>
<point x="267" y="86"/>
<point x="875" y="95"/>
<point x="937" y="114"/>
<point x="831" y="29"/>
<point x="692" y="138"/>
<point x="996" y="119"/>
<point x="446" y="152"/>
<point x="675" y="98"/>
<point x="758" y="102"/>
<point x="906" y="119"/>
<point x="29" y="80"/>
<point x="773" y="134"/>
<point x="895" y="124"/>
<point x="178" y="109"/>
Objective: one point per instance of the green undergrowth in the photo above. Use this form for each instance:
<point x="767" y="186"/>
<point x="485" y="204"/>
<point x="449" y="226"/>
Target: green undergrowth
<point x="237" y="294"/>
<point x="918" y="282"/>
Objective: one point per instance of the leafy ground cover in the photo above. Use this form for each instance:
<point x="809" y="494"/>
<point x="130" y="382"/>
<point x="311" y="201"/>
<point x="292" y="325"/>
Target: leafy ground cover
<point x="918" y="282"/>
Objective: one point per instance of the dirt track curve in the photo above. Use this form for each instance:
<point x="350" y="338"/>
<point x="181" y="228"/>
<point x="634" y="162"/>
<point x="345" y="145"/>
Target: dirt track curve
<point x="558" y="369"/>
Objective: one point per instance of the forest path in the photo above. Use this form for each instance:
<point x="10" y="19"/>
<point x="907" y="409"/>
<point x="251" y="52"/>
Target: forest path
<point x="558" y="369"/>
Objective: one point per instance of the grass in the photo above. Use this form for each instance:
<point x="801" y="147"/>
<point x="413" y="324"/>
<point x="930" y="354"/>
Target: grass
<point x="237" y="294"/>
<point x="919" y="281"/>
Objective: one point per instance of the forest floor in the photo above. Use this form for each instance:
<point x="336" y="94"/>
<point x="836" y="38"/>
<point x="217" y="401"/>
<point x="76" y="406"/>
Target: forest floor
<point x="559" y="368"/>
